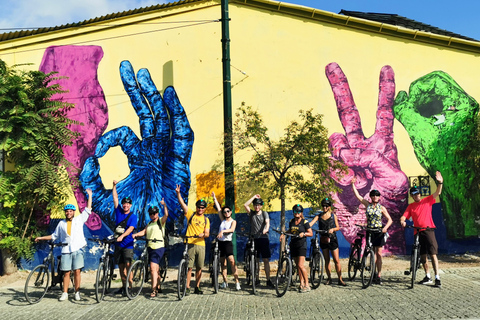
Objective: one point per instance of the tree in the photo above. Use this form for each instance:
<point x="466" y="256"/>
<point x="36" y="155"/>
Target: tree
<point x="33" y="130"/>
<point x="298" y="164"/>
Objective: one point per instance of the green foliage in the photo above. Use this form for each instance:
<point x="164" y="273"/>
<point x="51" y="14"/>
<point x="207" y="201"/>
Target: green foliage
<point x="33" y="130"/>
<point x="297" y="165"/>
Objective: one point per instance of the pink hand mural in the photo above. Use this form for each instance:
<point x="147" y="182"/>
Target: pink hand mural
<point x="79" y="64"/>
<point x="373" y="161"/>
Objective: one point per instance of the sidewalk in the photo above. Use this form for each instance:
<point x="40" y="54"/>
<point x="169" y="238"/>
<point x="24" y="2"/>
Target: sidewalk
<point x="459" y="297"/>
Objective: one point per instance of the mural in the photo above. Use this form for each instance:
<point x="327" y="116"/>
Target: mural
<point x="373" y="161"/>
<point x="435" y="112"/>
<point x="439" y="118"/>
<point x="157" y="162"/>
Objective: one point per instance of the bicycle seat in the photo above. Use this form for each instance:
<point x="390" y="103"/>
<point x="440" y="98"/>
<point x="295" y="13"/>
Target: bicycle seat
<point x="360" y="234"/>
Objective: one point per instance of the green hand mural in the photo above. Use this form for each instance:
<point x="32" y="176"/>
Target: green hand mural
<point x="439" y="118"/>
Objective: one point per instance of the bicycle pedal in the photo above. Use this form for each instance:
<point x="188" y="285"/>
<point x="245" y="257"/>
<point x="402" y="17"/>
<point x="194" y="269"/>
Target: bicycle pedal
<point x="114" y="276"/>
<point x="407" y="273"/>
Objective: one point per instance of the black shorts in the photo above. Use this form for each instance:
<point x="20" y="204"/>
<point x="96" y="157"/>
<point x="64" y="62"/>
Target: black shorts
<point x="123" y="255"/>
<point x="428" y="242"/>
<point x="298" y="251"/>
<point x="332" y="245"/>
<point x="378" y="239"/>
<point x="226" y="248"/>
<point x="262" y="245"/>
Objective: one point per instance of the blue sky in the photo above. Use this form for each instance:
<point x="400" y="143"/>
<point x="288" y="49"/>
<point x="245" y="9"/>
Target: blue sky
<point x="460" y="16"/>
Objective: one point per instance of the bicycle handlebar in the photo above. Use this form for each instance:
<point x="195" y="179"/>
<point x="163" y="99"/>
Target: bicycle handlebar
<point x="110" y="239"/>
<point x="369" y="229"/>
<point x="419" y="228"/>
<point x="322" y="232"/>
<point x="287" y="234"/>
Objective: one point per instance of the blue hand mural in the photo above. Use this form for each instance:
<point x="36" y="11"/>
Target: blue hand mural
<point x="157" y="162"/>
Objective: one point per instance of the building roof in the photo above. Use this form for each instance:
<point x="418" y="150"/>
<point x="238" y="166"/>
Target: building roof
<point x="396" y="20"/>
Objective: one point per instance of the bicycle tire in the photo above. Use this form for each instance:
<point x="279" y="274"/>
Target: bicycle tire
<point x="37" y="283"/>
<point x="353" y="262"/>
<point x="136" y="272"/>
<point x="215" y="272"/>
<point x="368" y="268"/>
<point x="284" y="276"/>
<point x="254" y="273"/>
<point x="248" y="273"/>
<point x="163" y="267"/>
<point x="182" y="279"/>
<point x="316" y="270"/>
<point x="110" y="270"/>
<point x="100" y="282"/>
<point x="414" y="266"/>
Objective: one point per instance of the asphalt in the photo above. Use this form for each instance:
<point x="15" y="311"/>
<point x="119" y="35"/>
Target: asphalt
<point x="459" y="297"/>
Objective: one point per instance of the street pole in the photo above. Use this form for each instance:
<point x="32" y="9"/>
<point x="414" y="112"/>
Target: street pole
<point x="227" y="116"/>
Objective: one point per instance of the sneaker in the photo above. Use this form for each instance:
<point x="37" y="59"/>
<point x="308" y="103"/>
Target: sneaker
<point x="121" y="291"/>
<point x="237" y="286"/>
<point x="426" y="280"/>
<point x="198" y="291"/>
<point x="63" y="297"/>
<point x="377" y="280"/>
<point x="270" y="283"/>
<point x="224" y="285"/>
<point x="187" y="292"/>
<point x="438" y="284"/>
<point x="77" y="296"/>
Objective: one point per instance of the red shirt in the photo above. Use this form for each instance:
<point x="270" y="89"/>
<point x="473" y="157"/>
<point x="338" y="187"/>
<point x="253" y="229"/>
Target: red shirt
<point x="421" y="212"/>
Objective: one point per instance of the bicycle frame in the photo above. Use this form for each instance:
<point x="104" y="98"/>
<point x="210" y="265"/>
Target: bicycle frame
<point x="316" y="259"/>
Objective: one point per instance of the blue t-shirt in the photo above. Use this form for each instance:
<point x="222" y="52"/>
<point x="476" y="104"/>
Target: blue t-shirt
<point x="127" y="242"/>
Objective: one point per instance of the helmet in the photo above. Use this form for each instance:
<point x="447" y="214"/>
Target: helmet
<point x="258" y="201"/>
<point x="127" y="200"/>
<point x="297" y="208"/>
<point x="153" y="210"/>
<point x="201" y="203"/>
<point x="374" y="192"/>
<point x="414" y="191"/>
<point x="69" y="207"/>
<point x="326" y="202"/>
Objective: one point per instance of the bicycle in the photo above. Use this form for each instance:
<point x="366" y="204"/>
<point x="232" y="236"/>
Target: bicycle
<point x="183" y="268"/>
<point x="106" y="268"/>
<point x="139" y="271"/>
<point x="38" y="280"/>
<point x="285" y="267"/>
<point x="215" y="267"/>
<point x="415" y="258"/>
<point x="366" y="264"/>
<point x="252" y="264"/>
<point x="316" y="259"/>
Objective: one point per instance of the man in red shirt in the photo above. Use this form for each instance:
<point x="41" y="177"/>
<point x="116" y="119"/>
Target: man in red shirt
<point x="421" y="213"/>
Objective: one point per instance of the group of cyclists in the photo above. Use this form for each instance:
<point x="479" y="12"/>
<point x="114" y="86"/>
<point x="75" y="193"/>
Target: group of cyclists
<point x="70" y="231"/>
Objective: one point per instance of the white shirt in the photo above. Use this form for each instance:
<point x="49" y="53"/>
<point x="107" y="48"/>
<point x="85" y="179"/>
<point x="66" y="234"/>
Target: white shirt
<point x="225" y="225"/>
<point x="76" y="240"/>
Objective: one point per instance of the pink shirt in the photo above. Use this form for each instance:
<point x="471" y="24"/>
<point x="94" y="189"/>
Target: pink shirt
<point x="421" y="212"/>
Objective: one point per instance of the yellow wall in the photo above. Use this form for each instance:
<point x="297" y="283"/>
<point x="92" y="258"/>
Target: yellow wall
<point x="284" y="58"/>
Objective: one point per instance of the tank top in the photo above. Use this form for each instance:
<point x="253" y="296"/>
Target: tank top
<point x="155" y="232"/>
<point x="374" y="216"/>
<point x="225" y="225"/>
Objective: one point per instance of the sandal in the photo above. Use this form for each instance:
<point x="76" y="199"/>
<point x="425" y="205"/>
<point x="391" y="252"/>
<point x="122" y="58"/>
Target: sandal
<point x="328" y="282"/>
<point x="153" y="294"/>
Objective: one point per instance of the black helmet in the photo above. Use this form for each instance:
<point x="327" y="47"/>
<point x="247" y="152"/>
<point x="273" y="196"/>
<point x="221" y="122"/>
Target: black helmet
<point x="414" y="190"/>
<point x="127" y="200"/>
<point x="201" y="203"/>
<point x="326" y="202"/>
<point x="258" y="201"/>
<point x="153" y="210"/>
<point x="374" y="192"/>
<point x="297" y="208"/>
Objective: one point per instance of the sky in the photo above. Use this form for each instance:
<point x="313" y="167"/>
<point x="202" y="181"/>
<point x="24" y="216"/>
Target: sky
<point x="459" y="16"/>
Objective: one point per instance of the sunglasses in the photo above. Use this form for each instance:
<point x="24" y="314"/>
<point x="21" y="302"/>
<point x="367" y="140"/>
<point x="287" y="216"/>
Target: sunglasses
<point x="201" y="208"/>
<point x="227" y="211"/>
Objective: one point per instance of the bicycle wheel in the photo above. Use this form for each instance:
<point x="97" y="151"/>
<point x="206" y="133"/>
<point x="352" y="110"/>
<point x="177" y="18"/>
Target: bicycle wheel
<point x="414" y="266"/>
<point x="284" y="275"/>
<point x="37" y="284"/>
<point x="100" y="282"/>
<point x="215" y="272"/>
<point x="163" y="267"/>
<point x="316" y="270"/>
<point x="110" y="270"/>
<point x="353" y="262"/>
<point x="368" y="268"/>
<point x="182" y="279"/>
<point x="248" y="273"/>
<point x="253" y="273"/>
<point x="136" y="274"/>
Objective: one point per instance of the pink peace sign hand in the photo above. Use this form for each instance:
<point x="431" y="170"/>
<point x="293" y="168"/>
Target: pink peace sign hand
<point x="373" y="161"/>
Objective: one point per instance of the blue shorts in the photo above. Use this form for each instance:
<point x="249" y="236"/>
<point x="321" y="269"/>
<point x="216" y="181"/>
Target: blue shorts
<point x="72" y="261"/>
<point x="155" y="255"/>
